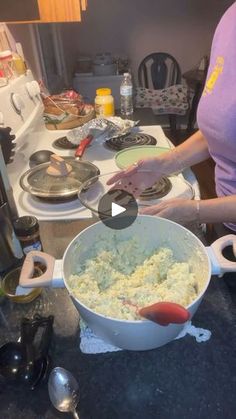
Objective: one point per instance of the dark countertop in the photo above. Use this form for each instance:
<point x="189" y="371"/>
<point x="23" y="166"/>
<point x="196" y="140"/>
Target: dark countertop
<point x="183" y="379"/>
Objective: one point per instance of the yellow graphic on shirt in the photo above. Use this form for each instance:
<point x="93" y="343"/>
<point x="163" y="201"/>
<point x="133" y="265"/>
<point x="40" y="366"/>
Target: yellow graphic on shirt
<point x="212" y="79"/>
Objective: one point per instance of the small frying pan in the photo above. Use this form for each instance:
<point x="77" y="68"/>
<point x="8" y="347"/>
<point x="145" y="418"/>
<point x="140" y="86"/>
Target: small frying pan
<point x="59" y="185"/>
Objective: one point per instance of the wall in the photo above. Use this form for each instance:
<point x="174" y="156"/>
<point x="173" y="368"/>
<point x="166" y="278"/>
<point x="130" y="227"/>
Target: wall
<point x="184" y="28"/>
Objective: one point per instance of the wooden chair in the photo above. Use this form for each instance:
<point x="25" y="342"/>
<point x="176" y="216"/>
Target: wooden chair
<point x="159" y="71"/>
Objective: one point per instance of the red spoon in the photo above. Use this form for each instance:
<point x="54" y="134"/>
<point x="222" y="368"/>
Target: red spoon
<point x="165" y="313"/>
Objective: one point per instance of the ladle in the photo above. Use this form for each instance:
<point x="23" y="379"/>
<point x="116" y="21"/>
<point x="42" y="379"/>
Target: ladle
<point x="39" y="157"/>
<point x="37" y="364"/>
<point x="19" y="360"/>
<point x="44" y="359"/>
<point x="63" y="391"/>
<point x="15" y="363"/>
<point x="12" y="360"/>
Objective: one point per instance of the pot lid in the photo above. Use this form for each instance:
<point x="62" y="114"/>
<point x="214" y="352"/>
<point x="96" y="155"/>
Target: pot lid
<point x="91" y="191"/>
<point x="39" y="181"/>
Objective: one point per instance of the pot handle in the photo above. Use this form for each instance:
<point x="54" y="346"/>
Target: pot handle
<point x="52" y="277"/>
<point x="219" y="263"/>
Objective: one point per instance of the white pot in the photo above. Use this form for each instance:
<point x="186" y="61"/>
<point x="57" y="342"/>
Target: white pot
<point x="143" y="334"/>
<point x="104" y="69"/>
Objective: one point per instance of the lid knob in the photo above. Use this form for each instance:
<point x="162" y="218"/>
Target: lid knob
<point x="58" y="166"/>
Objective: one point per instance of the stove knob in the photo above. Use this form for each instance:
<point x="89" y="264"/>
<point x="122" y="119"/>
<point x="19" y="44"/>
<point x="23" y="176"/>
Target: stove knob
<point x="17" y="103"/>
<point x="33" y="89"/>
<point x="29" y="90"/>
<point x="36" y="87"/>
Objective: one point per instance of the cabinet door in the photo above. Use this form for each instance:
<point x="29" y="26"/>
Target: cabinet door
<point x="18" y="10"/>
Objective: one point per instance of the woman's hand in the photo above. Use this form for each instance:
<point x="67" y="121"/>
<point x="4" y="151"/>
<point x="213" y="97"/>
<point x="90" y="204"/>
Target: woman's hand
<point x="182" y="211"/>
<point x="137" y="177"/>
<point x="146" y="172"/>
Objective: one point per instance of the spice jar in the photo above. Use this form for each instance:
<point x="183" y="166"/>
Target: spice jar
<point x="104" y="102"/>
<point x="27" y="231"/>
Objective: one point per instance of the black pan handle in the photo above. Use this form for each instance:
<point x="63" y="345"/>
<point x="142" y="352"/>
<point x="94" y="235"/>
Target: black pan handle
<point x="28" y="332"/>
<point x="29" y="329"/>
<point x="46" y="337"/>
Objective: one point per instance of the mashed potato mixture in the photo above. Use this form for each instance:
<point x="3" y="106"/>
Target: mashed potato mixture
<point x="122" y="277"/>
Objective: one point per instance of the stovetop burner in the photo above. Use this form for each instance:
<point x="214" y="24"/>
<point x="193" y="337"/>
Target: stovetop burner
<point x="130" y="140"/>
<point x="63" y="143"/>
<point x="158" y="190"/>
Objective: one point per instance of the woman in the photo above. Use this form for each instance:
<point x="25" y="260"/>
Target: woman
<point x="216" y="137"/>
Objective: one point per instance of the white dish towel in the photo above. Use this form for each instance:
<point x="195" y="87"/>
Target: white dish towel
<point x="92" y="344"/>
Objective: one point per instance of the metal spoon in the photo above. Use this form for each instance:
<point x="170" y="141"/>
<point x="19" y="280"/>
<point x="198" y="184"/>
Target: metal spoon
<point x="63" y="391"/>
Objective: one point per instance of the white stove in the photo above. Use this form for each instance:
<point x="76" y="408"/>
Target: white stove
<point x="21" y="108"/>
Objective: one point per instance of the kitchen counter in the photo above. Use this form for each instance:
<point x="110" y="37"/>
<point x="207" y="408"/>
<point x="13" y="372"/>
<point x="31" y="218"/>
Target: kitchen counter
<point x="183" y="379"/>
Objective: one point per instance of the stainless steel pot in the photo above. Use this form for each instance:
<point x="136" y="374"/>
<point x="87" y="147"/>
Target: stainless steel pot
<point x="143" y="334"/>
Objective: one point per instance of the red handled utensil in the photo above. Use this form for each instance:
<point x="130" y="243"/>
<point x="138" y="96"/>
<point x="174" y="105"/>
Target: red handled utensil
<point x="82" y="146"/>
<point x="165" y="313"/>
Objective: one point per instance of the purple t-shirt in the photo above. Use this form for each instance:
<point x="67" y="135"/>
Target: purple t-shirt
<point x="216" y="114"/>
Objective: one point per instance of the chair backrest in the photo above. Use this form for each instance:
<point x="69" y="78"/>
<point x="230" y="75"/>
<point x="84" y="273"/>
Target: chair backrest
<point x="159" y="70"/>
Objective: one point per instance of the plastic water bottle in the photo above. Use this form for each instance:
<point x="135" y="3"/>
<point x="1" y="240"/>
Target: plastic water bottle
<point x="126" y="95"/>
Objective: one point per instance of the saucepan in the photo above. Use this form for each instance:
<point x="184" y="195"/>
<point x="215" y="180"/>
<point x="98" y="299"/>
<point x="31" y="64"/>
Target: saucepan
<point x="58" y="179"/>
<point x="158" y="232"/>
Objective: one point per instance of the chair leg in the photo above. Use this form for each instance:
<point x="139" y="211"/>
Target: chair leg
<point x="173" y="121"/>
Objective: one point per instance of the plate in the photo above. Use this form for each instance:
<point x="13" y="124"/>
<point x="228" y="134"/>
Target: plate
<point x="127" y="157"/>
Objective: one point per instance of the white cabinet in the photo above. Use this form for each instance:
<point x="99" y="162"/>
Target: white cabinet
<point x="86" y="85"/>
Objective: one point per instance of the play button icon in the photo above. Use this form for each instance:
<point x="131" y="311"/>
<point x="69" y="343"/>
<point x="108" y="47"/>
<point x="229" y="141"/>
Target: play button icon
<point x="117" y="209"/>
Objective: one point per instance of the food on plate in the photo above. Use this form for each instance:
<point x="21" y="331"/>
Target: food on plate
<point x="120" y="277"/>
<point x="66" y="107"/>
<point x="68" y="101"/>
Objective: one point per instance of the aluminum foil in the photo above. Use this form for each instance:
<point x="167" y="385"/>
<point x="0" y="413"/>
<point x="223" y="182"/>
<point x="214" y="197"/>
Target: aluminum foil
<point x="106" y="127"/>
